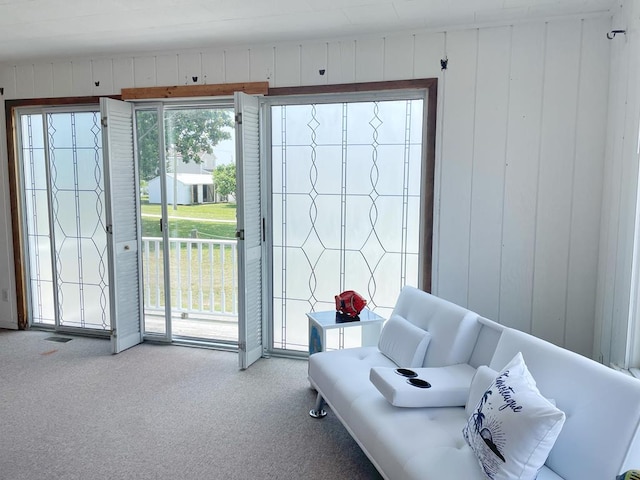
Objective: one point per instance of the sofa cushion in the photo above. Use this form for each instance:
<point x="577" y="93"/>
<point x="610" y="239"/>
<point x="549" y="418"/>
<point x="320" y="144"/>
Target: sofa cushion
<point x="413" y="443"/>
<point x="513" y="427"/>
<point x="454" y="329"/>
<point x="449" y="386"/>
<point x="403" y="342"/>
<point x="483" y="377"/>
<point x="342" y="375"/>
<point x="582" y="389"/>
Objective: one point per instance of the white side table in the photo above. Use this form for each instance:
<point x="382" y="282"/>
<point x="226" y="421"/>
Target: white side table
<point x="320" y="322"/>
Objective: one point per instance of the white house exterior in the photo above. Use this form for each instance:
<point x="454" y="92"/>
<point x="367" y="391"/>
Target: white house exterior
<point x="189" y="188"/>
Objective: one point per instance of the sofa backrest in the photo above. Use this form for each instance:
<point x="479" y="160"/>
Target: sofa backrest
<point x="602" y="407"/>
<point x="454" y="329"/>
<point x="486" y="343"/>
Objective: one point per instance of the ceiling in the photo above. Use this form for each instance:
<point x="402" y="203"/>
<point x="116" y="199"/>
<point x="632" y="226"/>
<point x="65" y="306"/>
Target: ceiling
<point x="32" y="29"/>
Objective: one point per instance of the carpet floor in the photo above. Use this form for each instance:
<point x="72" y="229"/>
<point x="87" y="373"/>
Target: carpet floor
<point x="74" y="411"/>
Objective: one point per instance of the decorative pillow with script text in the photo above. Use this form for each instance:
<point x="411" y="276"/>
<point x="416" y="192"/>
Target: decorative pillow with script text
<point x="513" y="427"/>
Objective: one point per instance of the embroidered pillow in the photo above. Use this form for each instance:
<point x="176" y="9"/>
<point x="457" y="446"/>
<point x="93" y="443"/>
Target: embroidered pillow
<point x="513" y="427"/>
<point x="479" y="384"/>
<point x="403" y="342"/>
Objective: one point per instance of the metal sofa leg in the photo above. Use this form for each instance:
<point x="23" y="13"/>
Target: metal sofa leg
<point x="318" y="411"/>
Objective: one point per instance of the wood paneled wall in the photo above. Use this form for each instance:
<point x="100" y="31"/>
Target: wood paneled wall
<point x="617" y="332"/>
<point x="522" y="120"/>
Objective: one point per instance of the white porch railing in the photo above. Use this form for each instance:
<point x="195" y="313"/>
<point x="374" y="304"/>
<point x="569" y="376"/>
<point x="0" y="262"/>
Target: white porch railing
<point x="204" y="276"/>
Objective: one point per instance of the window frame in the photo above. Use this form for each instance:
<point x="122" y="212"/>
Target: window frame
<point x="426" y="89"/>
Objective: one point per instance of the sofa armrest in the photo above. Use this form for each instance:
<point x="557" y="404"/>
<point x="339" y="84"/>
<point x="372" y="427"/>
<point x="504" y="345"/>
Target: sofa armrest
<point x="449" y="386"/>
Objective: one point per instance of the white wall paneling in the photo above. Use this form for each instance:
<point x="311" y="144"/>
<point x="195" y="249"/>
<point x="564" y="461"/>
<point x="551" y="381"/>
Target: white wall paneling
<point x="261" y="64"/>
<point x="7" y="83"/>
<point x="287" y="72"/>
<point x="428" y="51"/>
<point x="369" y="59"/>
<point x="167" y="71"/>
<point x="616" y="333"/>
<point x="26" y="81"/>
<point x="313" y="58"/>
<point x="399" y="57"/>
<point x="144" y="71"/>
<point x="62" y="79"/>
<point x="591" y="121"/>
<point x="123" y="74"/>
<point x="457" y="124"/>
<point x="190" y="66"/>
<point x="81" y="78"/>
<point x="632" y="348"/>
<point x="623" y="234"/>
<point x="487" y="181"/>
<point x="608" y="263"/>
<point x="43" y="81"/>
<point x="341" y="63"/>
<point x="521" y="175"/>
<point x="236" y="65"/>
<point x="102" y="77"/>
<point x="555" y="179"/>
<point x="213" y="67"/>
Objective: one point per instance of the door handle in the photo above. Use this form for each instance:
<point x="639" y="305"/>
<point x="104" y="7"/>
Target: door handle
<point x="161" y="225"/>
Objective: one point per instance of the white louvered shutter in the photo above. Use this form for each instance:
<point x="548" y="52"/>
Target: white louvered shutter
<point x="122" y="223"/>
<point x="249" y="213"/>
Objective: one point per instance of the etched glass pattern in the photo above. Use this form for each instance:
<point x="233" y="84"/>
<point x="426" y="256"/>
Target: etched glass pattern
<point x="78" y="217"/>
<point x="346" y="183"/>
<point x="36" y="207"/>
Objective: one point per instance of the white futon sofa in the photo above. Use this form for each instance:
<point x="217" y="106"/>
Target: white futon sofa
<point x="592" y="412"/>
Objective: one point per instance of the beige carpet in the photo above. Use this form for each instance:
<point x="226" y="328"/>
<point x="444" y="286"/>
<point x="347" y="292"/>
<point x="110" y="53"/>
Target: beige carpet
<point x="74" y="411"/>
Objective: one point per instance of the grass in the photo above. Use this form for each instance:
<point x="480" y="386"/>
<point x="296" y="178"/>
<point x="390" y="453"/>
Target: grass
<point x="202" y="271"/>
<point x="212" y="278"/>
<point x="207" y="211"/>
<point x="183" y="221"/>
<point x="184" y="229"/>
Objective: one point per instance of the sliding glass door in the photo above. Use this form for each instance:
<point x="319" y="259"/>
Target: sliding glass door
<point x="347" y="192"/>
<point x="63" y="198"/>
<point x="189" y="254"/>
<point x="79" y="219"/>
<point x="85" y="200"/>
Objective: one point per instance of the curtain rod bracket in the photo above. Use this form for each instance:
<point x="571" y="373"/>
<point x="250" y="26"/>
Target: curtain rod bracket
<point x="611" y="35"/>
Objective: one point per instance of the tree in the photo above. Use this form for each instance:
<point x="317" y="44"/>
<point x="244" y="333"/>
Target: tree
<point x="189" y="133"/>
<point x="224" y="179"/>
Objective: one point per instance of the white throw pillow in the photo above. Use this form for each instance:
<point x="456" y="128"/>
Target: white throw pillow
<point x="513" y="427"/>
<point x="479" y="384"/>
<point x="403" y="342"/>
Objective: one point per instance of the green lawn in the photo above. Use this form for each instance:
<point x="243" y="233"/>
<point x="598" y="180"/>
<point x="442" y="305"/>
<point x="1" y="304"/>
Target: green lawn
<point x="211" y="271"/>
<point x="208" y="211"/>
<point x="204" y="275"/>
<point x="184" y="229"/>
<point x="183" y="221"/>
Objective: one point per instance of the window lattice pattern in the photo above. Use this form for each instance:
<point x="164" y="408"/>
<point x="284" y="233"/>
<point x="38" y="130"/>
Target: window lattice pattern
<point x="40" y="278"/>
<point x="78" y="213"/>
<point x="346" y="203"/>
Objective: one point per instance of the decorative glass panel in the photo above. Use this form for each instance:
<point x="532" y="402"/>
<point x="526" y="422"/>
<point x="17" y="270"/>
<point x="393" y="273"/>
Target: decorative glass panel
<point x="346" y="207"/>
<point x="77" y="208"/>
<point x="40" y="276"/>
